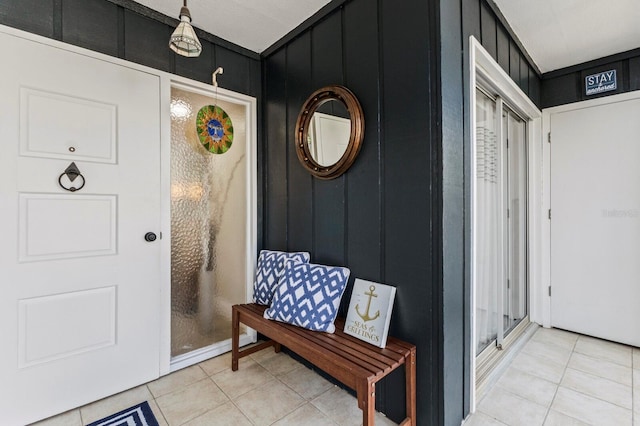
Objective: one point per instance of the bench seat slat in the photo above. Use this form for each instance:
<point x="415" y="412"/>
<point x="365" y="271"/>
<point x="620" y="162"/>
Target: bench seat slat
<point x="333" y="345"/>
<point x="391" y="355"/>
<point x="342" y="369"/>
<point x="344" y="343"/>
<point x="392" y="349"/>
<point x="348" y="346"/>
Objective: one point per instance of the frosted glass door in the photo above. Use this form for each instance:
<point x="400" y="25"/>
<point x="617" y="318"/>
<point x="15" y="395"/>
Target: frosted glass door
<point x="208" y="226"/>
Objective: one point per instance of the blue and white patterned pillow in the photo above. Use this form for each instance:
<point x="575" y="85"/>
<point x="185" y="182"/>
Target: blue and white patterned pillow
<point x="308" y="296"/>
<point x="270" y="267"/>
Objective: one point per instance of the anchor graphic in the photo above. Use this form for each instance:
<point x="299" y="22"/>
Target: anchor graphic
<point x="366" y="316"/>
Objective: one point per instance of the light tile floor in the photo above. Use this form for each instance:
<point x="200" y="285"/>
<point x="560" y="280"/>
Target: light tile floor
<point x="565" y="379"/>
<point x="558" y="379"/>
<point x="267" y="389"/>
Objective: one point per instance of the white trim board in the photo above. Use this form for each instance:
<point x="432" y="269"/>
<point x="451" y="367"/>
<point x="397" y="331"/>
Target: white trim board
<point x="482" y="67"/>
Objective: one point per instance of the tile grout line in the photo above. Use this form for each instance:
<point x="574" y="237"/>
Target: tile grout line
<point x="229" y="399"/>
<point x="601" y="360"/>
<point x="274" y="376"/>
<point x="602" y="378"/>
<point x="560" y="381"/>
<point x="243" y="413"/>
<point x="156" y="402"/>
<point x="305" y="401"/>
<point x="183" y="388"/>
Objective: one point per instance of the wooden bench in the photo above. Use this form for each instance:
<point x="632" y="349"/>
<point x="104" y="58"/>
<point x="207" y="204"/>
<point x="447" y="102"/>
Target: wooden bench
<point x="353" y="362"/>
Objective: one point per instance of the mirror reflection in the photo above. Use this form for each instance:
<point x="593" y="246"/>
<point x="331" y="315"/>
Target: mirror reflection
<point x="329" y="132"/>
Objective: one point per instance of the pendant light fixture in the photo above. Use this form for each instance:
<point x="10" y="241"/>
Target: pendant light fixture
<point x="184" y="40"/>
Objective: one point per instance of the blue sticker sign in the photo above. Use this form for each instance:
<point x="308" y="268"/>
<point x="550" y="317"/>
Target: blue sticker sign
<point x="601" y="82"/>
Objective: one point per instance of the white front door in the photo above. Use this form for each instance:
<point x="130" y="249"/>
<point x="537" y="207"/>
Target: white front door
<point x="79" y="305"/>
<point x="595" y="219"/>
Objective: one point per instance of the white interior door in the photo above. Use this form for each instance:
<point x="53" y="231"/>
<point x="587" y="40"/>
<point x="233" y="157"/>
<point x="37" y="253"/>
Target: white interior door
<point x="79" y="311"/>
<point x="595" y="225"/>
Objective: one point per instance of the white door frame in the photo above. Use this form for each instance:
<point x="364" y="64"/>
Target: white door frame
<point x="483" y="66"/>
<point x="546" y="129"/>
<point x="166" y="80"/>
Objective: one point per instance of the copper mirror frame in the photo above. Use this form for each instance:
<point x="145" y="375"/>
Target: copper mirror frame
<point x="317" y="99"/>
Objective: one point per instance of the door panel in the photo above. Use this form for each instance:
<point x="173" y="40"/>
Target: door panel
<point x="57" y="226"/>
<point x="80" y="286"/>
<point x="595" y="226"/>
<point x="51" y="123"/>
<point x="90" y="313"/>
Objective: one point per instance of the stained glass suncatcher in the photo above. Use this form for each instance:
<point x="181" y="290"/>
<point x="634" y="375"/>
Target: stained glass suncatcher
<point x="215" y="129"/>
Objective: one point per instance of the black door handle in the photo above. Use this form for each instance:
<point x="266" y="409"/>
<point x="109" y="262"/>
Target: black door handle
<point x="150" y="237"/>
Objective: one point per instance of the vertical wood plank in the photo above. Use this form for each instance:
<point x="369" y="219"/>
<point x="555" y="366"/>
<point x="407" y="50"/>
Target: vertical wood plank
<point x="275" y="159"/>
<point x="534" y="86"/>
<point x="454" y="217"/>
<point x="328" y="196"/>
<point x="514" y="62"/>
<point x="92" y="24"/>
<point x="559" y="90"/>
<point x="634" y="73"/>
<point x="523" y="81"/>
<point x="471" y="25"/>
<point x="364" y="221"/>
<point x="326" y="51"/>
<point x="200" y="68"/>
<point x="409" y="232"/>
<point x="300" y="198"/>
<point x="502" y="40"/>
<point x="146" y="41"/>
<point x="237" y="71"/>
<point x="489" y="31"/>
<point x="255" y="82"/>
<point x="35" y="16"/>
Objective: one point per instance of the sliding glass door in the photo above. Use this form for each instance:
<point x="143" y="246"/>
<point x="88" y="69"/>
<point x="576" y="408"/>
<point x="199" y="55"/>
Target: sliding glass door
<point x="500" y="221"/>
<point x="515" y="300"/>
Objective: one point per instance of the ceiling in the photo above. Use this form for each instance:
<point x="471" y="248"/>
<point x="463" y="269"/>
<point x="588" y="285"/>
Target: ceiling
<point x="560" y="33"/>
<point x="555" y="33"/>
<point x="254" y="24"/>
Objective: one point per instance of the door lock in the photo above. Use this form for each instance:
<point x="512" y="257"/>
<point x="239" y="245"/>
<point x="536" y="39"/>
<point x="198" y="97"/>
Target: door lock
<point x="150" y="237"/>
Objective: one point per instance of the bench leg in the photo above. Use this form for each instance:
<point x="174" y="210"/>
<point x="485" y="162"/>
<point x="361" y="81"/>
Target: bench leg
<point x="367" y="402"/>
<point x="410" y="395"/>
<point x="235" y="338"/>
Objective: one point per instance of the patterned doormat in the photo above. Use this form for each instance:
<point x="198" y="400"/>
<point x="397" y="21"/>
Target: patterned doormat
<point x="138" y="415"/>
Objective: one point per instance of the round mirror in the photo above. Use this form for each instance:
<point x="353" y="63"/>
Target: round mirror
<point x="329" y="132"/>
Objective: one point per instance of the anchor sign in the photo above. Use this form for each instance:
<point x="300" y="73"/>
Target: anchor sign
<point x="366" y="316"/>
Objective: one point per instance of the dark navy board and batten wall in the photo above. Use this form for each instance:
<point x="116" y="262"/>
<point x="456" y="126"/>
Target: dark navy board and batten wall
<point x="384" y="218"/>
<point x="381" y="219"/>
